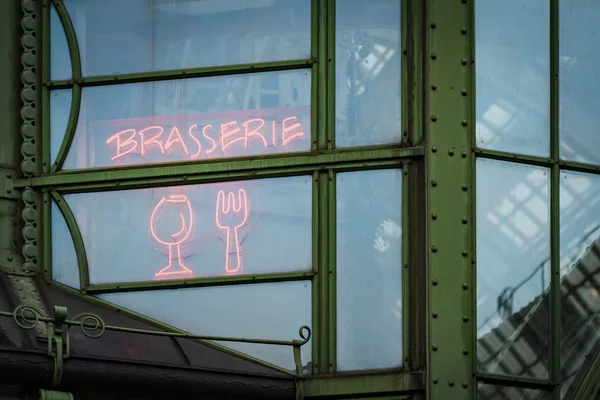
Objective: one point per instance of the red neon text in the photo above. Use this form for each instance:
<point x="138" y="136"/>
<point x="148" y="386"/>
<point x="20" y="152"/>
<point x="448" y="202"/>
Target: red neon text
<point x="197" y="141"/>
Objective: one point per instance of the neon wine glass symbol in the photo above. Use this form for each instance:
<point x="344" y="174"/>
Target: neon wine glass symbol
<point x="231" y="215"/>
<point x="171" y="224"/>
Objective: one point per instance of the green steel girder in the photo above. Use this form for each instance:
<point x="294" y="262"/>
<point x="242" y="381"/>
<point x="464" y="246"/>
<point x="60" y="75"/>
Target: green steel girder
<point x="449" y="160"/>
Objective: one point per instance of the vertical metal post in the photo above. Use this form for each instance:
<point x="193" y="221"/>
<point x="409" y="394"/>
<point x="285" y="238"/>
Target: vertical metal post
<point x="450" y="193"/>
<point x="554" y="196"/>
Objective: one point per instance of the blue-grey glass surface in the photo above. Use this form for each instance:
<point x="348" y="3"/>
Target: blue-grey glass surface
<point x="579" y="77"/>
<point x="118" y="37"/>
<point x="260" y="311"/>
<point x="369" y="270"/>
<point x="513" y="269"/>
<point x="191" y="119"/>
<point x="60" y="58"/>
<point x="197" y="231"/>
<point x="513" y="76"/>
<point x="496" y="392"/>
<point x="65" y="269"/>
<point x="367" y="76"/>
<point x="580" y="273"/>
<point x="60" y="106"/>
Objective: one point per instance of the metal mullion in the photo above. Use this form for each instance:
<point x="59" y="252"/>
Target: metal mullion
<point x="514" y="157"/>
<point x="140" y="77"/>
<point x="412" y="35"/>
<point x="316" y="282"/>
<point x="406" y="295"/>
<point x="199" y="282"/>
<point x="236" y="168"/>
<point x="47" y="236"/>
<point x="45" y="100"/>
<point x="323" y="356"/>
<point x="518" y="382"/>
<point x="331" y="272"/>
<point x="555" y="196"/>
<point x="329" y="60"/>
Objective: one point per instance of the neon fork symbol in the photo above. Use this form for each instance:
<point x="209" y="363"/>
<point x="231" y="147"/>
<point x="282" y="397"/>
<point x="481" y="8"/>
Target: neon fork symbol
<point x="231" y="215"/>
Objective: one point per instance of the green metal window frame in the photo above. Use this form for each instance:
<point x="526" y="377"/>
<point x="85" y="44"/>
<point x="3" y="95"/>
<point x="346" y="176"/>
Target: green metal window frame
<point x="555" y="164"/>
<point x="44" y="183"/>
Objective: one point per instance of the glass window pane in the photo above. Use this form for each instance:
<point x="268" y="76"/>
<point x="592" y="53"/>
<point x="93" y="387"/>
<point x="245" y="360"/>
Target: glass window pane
<point x="495" y="392"/>
<point x="60" y="107"/>
<point x="65" y="268"/>
<point x="192" y="119"/>
<point x="273" y="311"/>
<point x="60" y="58"/>
<point x="513" y="269"/>
<point x="513" y="76"/>
<point x="245" y="227"/>
<point x="118" y="37"/>
<point x="369" y="270"/>
<point x="580" y="272"/>
<point x="367" y="76"/>
<point x="579" y="77"/>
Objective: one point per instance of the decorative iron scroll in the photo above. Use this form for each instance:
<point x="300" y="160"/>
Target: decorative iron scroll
<point x="93" y="326"/>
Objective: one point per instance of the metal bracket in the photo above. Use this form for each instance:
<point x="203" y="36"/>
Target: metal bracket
<point x="7" y="184"/>
<point x="58" y="343"/>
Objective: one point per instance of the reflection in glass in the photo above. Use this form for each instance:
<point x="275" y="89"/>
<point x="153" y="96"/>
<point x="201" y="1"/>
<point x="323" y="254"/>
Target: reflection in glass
<point x="260" y="311"/>
<point x="197" y="230"/>
<point x="513" y="76"/>
<point x="513" y="269"/>
<point x="60" y="105"/>
<point x="191" y="119"/>
<point x="579" y="77"/>
<point x="65" y="268"/>
<point x="493" y="392"/>
<point x="580" y="272"/>
<point x="60" y="58"/>
<point x="369" y="270"/>
<point x="367" y="76"/>
<point x="118" y="37"/>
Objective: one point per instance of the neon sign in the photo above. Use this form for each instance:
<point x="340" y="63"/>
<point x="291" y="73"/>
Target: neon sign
<point x="205" y="141"/>
<point x="172" y="223"/>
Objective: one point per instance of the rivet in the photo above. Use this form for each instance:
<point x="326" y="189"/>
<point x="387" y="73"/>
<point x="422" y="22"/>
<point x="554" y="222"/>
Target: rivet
<point x="463" y="61"/>
<point x="464" y="253"/>
<point x="434" y="315"/>
<point x="434" y="282"/>
<point x="463" y="92"/>
<point x="433" y="87"/>
<point x="465" y="318"/>
<point x="434" y="118"/>
<point x="434" y="248"/>
<point x="465" y="286"/>
<point x="9" y="258"/>
<point x="434" y="216"/>
<point x="464" y="220"/>
<point x="464" y="154"/>
<point x="9" y="175"/>
<point x="464" y="1"/>
<point x="434" y="347"/>
<point x="466" y="352"/>
<point x="434" y="149"/>
<point x="450" y="383"/>
<point x="433" y="25"/>
<point x="463" y="31"/>
<point x="450" y="153"/>
<point x="433" y="56"/>
<point x="405" y="265"/>
<point x="8" y="191"/>
<point x="464" y="122"/>
<point x="464" y="188"/>
<point x="433" y="183"/>
<point x="435" y="380"/>
<point x="465" y="385"/>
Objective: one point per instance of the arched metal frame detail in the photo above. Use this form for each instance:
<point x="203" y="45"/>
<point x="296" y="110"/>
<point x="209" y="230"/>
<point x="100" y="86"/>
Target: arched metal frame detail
<point x="76" y="90"/>
<point x="449" y="124"/>
<point x="76" y="237"/>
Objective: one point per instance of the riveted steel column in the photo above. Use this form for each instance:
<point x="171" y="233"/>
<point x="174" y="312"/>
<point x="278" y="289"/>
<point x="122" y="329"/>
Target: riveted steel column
<point x="450" y="195"/>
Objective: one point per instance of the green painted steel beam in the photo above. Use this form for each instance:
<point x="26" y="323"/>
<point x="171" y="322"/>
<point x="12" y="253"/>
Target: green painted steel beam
<point x="199" y="282"/>
<point x="514" y="381"/>
<point x="153" y="76"/>
<point x="362" y="385"/>
<point x="450" y="129"/>
<point x="247" y="167"/>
